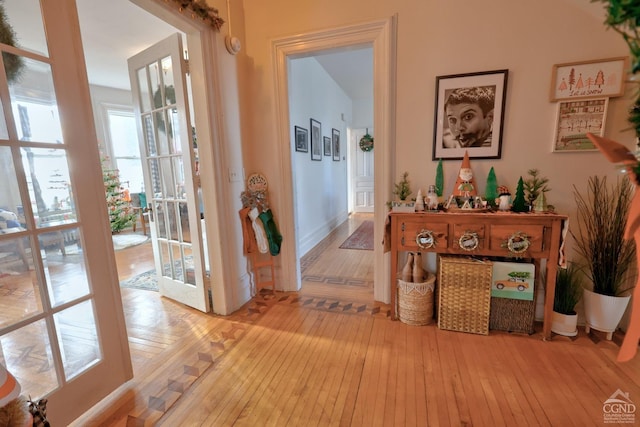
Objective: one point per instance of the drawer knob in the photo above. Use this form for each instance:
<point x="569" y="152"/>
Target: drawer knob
<point x="469" y="241"/>
<point x="425" y="239"/>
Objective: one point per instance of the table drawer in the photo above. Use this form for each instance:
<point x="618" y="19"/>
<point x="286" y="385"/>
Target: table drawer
<point x="468" y="237"/>
<point x="517" y="239"/>
<point x="424" y="236"/>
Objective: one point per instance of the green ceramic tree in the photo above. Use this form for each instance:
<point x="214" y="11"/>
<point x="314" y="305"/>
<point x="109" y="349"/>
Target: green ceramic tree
<point x="491" y="189"/>
<point x="439" y="179"/>
<point x="519" y="204"/>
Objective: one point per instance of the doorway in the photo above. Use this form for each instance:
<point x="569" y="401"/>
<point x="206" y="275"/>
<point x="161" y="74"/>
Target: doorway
<point x="331" y="93"/>
<point x="380" y="35"/>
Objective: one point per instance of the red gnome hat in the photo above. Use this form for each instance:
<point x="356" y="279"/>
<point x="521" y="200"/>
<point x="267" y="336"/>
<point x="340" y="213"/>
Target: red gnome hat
<point x="465" y="187"/>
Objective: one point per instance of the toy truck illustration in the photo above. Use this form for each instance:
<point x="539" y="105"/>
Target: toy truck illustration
<point x="517" y="279"/>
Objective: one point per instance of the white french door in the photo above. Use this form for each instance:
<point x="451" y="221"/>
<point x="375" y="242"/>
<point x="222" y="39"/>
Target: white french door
<point x="362" y="188"/>
<point x="158" y="83"/>
<point x="62" y="329"/>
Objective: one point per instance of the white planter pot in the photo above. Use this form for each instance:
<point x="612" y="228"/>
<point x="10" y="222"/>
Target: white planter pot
<point x="403" y="206"/>
<point x="603" y="312"/>
<point x="564" y="324"/>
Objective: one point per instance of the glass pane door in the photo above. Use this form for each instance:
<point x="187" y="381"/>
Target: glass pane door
<point x="54" y="335"/>
<point x="158" y="82"/>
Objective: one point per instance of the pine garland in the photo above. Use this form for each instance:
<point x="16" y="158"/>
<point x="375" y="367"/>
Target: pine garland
<point x="200" y="9"/>
<point x="14" y="64"/>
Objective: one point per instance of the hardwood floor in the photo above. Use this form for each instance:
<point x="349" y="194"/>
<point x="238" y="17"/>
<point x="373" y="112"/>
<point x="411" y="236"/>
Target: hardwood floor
<point x="329" y="355"/>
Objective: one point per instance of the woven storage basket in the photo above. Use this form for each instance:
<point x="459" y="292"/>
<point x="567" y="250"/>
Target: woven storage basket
<point x="415" y="301"/>
<point x="464" y="294"/>
<point x="513" y="315"/>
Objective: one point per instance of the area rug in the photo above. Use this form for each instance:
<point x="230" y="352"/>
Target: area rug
<point x="146" y="281"/>
<point x="123" y="241"/>
<point x="362" y="238"/>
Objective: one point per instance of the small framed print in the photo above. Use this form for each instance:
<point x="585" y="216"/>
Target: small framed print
<point x="316" y="140"/>
<point x="574" y="119"/>
<point x="335" y="142"/>
<point x="589" y="79"/>
<point x="327" y="146"/>
<point x="302" y="139"/>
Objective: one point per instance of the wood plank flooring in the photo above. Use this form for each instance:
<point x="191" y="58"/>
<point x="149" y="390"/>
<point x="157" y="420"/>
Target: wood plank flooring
<point x="320" y="358"/>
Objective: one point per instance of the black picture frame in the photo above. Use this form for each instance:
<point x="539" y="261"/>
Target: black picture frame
<point x="481" y="134"/>
<point x="335" y="144"/>
<point x="316" y="139"/>
<point x="327" y="146"/>
<point x="301" y="139"/>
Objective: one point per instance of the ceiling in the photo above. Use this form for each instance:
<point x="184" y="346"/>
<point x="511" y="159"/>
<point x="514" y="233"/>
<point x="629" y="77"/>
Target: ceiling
<point x="116" y="30"/>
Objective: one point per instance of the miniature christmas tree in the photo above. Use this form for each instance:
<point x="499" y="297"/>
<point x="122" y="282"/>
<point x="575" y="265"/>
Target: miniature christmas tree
<point x="439" y="179"/>
<point x="519" y="204"/>
<point x="402" y="189"/>
<point x="491" y="191"/>
<point x="534" y="185"/>
<point x="121" y="213"/>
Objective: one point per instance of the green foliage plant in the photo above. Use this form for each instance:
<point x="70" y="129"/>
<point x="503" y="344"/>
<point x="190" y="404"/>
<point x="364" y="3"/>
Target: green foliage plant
<point x="402" y="189"/>
<point x="568" y="289"/>
<point x="534" y="185"/>
<point x="599" y="234"/>
<point x="623" y="17"/>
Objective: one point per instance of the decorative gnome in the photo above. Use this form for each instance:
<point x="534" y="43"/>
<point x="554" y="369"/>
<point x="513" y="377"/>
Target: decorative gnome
<point x="14" y="410"/>
<point x="504" y="198"/>
<point x="465" y="184"/>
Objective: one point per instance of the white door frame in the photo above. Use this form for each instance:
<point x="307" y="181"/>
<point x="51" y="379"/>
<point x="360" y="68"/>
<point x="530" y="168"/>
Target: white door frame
<point x="204" y="67"/>
<point x="381" y="34"/>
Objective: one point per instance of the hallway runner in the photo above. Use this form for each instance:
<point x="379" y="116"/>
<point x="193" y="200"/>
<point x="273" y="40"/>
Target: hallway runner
<point x="362" y="238"/>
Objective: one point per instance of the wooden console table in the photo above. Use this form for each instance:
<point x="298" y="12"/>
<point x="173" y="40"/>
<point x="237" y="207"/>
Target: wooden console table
<point x="524" y="235"/>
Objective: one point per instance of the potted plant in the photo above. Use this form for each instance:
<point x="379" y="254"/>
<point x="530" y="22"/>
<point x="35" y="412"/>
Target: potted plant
<point x="402" y="190"/>
<point x="602" y="220"/>
<point x="568" y="292"/>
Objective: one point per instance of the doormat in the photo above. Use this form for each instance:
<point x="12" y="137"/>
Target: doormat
<point x="362" y="238"/>
<point x="146" y="281"/>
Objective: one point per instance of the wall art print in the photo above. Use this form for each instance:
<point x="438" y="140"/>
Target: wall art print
<point x="589" y="79"/>
<point x="574" y="119"/>
<point x="469" y="114"/>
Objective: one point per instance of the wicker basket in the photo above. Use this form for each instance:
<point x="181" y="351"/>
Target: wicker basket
<point x="464" y="294"/>
<point x="513" y="315"/>
<point x="415" y="301"/>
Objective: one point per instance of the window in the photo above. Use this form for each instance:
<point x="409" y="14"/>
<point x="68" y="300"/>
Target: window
<point x="124" y="149"/>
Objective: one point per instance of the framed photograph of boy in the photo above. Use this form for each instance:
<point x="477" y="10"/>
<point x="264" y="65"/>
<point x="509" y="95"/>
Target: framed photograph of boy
<point x="469" y="114"/>
<point x="316" y="140"/>
<point x="574" y="119"/>
<point x="302" y="139"/>
<point x="335" y="141"/>
<point x="327" y="146"/>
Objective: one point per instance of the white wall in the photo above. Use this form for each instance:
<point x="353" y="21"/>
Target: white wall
<point x="320" y="186"/>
